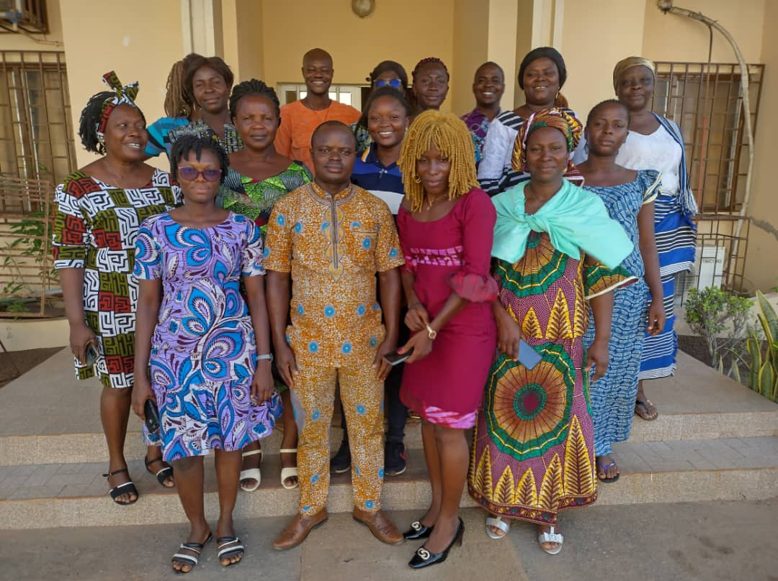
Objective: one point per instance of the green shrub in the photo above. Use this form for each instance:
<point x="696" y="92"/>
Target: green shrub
<point x="763" y="352"/>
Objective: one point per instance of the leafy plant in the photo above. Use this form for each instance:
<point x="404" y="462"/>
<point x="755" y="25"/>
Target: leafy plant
<point x="763" y="351"/>
<point x="720" y="317"/>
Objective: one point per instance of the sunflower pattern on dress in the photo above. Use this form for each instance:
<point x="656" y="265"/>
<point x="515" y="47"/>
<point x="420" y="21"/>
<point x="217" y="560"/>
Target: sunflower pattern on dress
<point x="203" y="353"/>
<point x="533" y="450"/>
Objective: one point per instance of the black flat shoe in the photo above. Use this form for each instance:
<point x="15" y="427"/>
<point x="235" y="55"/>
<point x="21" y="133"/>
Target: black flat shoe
<point x="423" y="558"/>
<point x="417" y="531"/>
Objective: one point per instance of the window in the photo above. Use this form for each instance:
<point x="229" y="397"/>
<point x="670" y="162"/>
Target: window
<point x="346" y="94"/>
<point x="36" y="138"/>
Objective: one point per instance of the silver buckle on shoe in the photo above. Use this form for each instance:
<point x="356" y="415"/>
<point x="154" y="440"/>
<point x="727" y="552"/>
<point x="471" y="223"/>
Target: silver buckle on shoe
<point x="423" y="553"/>
<point x="416" y="526"/>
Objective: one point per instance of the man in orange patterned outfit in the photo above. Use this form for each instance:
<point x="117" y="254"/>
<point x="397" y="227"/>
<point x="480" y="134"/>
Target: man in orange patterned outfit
<point x="330" y="238"/>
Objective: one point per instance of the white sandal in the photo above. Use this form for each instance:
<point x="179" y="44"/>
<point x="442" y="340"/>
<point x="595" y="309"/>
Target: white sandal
<point x="553" y="538"/>
<point x="251" y="473"/>
<point x="289" y="472"/>
<point x="497" y="523"/>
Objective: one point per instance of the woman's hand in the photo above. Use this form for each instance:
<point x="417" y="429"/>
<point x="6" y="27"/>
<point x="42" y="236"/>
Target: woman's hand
<point x="262" y="384"/>
<point x="80" y="337"/>
<point x="508" y="334"/>
<point x="286" y="364"/>
<point x="597" y="358"/>
<point x="417" y="317"/>
<point x="421" y="345"/>
<point x="380" y="364"/>
<point x="141" y="391"/>
<point x="656" y="317"/>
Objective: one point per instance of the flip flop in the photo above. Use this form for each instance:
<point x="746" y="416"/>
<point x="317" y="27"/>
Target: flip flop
<point x="642" y="410"/>
<point x="195" y="548"/>
<point x="290" y="471"/>
<point x="162" y="474"/>
<point x="602" y="470"/>
<point x="124" y="488"/>
<point x="227" y="547"/>
<point x="251" y="474"/>
<point x="497" y="523"/>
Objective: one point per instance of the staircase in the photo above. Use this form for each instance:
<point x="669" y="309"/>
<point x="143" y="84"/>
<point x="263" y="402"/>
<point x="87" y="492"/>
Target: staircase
<point x="713" y="440"/>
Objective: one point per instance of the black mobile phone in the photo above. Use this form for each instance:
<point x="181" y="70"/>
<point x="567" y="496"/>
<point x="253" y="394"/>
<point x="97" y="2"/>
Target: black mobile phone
<point x="395" y="358"/>
<point x="91" y="355"/>
<point x="151" y="412"/>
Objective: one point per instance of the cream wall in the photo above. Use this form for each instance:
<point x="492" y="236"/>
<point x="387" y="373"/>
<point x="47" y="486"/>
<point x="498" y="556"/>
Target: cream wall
<point x="50" y="41"/>
<point x="401" y="30"/>
<point x="471" y="30"/>
<point x="762" y="257"/>
<point x="140" y="40"/>
<point x="242" y="38"/>
<point x="596" y="35"/>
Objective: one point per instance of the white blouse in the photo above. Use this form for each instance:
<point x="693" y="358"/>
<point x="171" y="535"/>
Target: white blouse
<point x="657" y="151"/>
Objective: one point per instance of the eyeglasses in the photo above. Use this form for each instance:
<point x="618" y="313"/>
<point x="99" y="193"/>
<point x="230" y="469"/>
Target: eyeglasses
<point x="190" y="174"/>
<point x="394" y="83"/>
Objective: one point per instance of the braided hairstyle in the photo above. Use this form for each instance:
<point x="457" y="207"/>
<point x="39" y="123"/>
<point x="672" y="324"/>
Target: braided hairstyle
<point x="384" y="92"/>
<point x="90" y="117"/>
<point x="253" y="87"/>
<point x="194" y="62"/>
<point x="449" y="135"/>
<point x="179" y="100"/>
<point x="426" y="61"/>
<point x="187" y="144"/>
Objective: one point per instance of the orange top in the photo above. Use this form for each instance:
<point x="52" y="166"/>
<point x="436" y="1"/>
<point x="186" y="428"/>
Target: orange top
<point x="298" y="123"/>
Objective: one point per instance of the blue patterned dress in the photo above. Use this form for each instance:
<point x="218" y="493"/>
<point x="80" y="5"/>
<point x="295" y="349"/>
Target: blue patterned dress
<point x="203" y="353"/>
<point x="613" y="396"/>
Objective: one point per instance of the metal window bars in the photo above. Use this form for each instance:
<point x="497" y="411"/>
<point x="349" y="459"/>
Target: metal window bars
<point x="704" y="99"/>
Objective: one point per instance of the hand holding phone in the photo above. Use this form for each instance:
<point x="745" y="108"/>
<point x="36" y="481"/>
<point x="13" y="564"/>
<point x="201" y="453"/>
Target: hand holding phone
<point x="527" y="355"/>
<point x="151" y="412"/>
<point x="395" y="358"/>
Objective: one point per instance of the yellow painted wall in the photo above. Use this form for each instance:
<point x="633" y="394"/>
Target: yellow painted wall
<point x="401" y="30"/>
<point x="140" y="40"/>
<point x="503" y="30"/>
<point x="242" y="38"/>
<point x="675" y="38"/>
<point x="50" y="41"/>
<point x="471" y="30"/>
<point x="762" y="257"/>
<point x="596" y="35"/>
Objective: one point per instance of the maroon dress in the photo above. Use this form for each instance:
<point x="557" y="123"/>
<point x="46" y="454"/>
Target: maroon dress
<point x="452" y="254"/>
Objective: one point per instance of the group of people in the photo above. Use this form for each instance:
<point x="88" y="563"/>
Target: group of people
<point x="520" y="263"/>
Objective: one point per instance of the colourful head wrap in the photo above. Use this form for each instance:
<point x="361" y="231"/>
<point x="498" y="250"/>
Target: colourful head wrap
<point x="628" y="63"/>
<point x="561" y="119"/>
<point x="124" y="95"/>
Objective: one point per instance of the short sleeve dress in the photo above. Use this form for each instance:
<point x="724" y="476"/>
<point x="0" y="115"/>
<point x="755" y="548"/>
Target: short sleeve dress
<point x="203" y="352"/>
<point x="448" y="255"/>
<point x="94" y="229"/>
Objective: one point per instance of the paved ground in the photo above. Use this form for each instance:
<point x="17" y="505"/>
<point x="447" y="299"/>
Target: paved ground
<point x="729" y="541"/>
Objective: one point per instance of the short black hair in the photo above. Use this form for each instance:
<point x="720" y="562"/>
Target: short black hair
<point x="387" y="92"/>
<point x="90" y="117"/>
<point x="489" y="64"/>
<point x="539" y="53"/>
<point x="187" y="144"/>
<point x="333" y="124"/>
<point x="602" y="104"/>
<point x="253" y="87"/>
<point x="393" y="66"/>
<point x="430" y="60"/>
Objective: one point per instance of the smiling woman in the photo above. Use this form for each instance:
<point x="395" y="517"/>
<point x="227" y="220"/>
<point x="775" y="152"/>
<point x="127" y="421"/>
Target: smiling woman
<point x="98" y="210"/>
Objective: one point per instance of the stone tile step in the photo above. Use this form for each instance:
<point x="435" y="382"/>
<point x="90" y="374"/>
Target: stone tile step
<point x="48" y="417"/>
<point x="74" y="495"/>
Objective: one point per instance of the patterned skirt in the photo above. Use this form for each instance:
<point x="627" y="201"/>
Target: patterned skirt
<point x="613" y="396"/>
<point x="533" y="450"/>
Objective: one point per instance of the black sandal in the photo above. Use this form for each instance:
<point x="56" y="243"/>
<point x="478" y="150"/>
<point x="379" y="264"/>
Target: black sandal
<point x="227" y="547"/>
<point x="163" y="474"/>
<point x="124" y="488"/>
<point x="186" y="558"/>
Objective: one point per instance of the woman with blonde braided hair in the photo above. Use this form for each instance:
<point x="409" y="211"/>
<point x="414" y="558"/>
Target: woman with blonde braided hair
<point x="445" y="224"/>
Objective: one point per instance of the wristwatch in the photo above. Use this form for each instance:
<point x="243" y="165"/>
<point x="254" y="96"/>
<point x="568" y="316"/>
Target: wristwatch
<point x="431" y="333"/>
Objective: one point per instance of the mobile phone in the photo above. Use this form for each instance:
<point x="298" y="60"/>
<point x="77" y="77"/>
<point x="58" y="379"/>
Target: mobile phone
<point x="527" y="355"/>
<point x="151" y="411"/>
<point x="395" y="358"/>
<point x="91" y="355"/>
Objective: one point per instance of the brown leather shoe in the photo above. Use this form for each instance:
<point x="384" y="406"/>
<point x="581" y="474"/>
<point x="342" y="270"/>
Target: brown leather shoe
<point x="380" y="525"/>
<point x="298" y="529"/>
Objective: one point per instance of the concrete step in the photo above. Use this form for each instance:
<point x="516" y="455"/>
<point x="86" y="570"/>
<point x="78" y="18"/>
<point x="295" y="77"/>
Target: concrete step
<point x="74" y="495"/>
<point x="47" y="417"/>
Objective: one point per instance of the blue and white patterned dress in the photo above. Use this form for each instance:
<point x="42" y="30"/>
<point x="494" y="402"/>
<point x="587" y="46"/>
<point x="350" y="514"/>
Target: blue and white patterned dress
<point x="203" y="353"/>
<point x="613" y="396"/>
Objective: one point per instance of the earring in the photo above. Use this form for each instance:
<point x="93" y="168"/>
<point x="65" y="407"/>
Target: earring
<point x="417" y="179"/>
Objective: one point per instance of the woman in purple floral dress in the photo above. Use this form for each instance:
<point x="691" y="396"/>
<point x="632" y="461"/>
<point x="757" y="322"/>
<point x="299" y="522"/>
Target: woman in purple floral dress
<point x="197" y="341"/>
